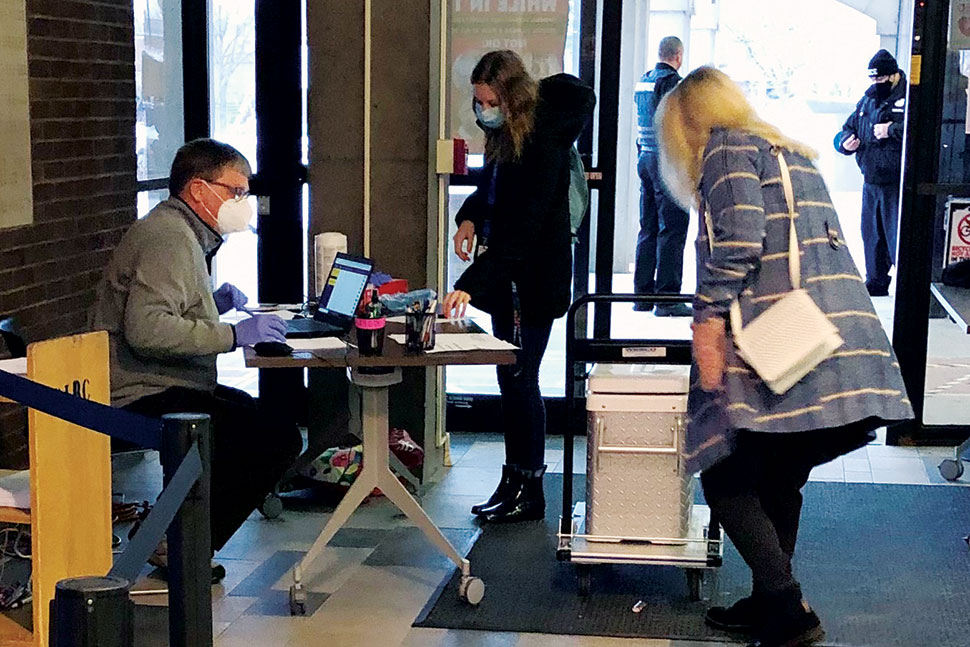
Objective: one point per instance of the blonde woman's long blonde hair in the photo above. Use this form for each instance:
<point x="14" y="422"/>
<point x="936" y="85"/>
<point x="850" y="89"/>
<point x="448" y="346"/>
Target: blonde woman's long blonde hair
<point x="518" y="92"/>
<point x="706" y="99"/>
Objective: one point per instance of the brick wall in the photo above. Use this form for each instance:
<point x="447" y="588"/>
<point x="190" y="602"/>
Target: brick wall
<point x="80" y="58"/>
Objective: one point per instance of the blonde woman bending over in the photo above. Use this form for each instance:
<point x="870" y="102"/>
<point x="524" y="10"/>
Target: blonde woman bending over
<point x="755" y="448"/>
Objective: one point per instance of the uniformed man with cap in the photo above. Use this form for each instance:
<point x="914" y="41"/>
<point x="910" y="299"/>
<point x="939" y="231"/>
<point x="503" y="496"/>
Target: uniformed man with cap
<point x="663" y="224"/>
<point x="874" y="134"/>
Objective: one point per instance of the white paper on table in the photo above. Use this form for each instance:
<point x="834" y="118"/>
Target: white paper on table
<point x="15" y="490"/>
<point x="317" y="343"/>
<point x="17" y="365"/>
<point x="461" y="342"/>
<point x="285" y="315"/>
<point x="452" y="320"/>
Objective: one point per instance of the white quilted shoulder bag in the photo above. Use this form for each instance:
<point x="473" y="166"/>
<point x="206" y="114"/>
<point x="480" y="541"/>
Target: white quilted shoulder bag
<point x="793" y="336"/>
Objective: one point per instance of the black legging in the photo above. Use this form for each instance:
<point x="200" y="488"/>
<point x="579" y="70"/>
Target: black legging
<point x="523" y="412"/>
<point x="755" y="493"/>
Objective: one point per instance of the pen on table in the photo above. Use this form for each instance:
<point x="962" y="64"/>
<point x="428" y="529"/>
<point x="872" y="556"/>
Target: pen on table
<point x="246" y="310"/>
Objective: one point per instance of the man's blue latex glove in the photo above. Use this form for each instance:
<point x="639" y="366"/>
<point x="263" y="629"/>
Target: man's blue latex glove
<point x="260" y="328"/>
<point x="228" y="297"/>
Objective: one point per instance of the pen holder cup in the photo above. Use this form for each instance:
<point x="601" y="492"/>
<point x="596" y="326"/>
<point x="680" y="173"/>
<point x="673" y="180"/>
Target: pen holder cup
<point x="370" y="336"/>
<point x="419" y="331"/>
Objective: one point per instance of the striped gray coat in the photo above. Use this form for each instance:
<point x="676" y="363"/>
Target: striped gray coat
<point x="741" y="187"/>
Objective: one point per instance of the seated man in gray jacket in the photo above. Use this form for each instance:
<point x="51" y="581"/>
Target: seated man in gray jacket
<point x="157" y="304"/>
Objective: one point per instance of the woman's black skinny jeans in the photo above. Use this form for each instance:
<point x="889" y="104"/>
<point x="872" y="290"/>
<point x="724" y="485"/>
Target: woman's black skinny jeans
<point x="523" y="412"/>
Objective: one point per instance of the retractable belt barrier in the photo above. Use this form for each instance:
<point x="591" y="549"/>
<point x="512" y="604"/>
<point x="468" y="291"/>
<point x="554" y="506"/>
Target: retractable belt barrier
<point x="147" y="433"/>
<point x="137" y="429"/>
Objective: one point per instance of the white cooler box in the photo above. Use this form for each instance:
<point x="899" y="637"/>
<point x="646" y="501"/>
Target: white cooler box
<point x="636" y="486"/>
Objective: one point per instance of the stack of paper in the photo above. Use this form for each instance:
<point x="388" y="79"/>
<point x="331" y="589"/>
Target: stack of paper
<point x="462" y="342"/>
<point x="15" y="489"/>
<point x="17" y="366"/>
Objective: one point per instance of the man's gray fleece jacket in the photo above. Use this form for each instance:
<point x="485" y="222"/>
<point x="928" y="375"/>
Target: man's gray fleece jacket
<point x="155" y="301"/>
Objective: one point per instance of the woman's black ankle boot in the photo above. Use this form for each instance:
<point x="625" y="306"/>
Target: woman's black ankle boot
<point x="788" y="621"/>
<point x="526" y="503"/>
<point x="502" y="492"/>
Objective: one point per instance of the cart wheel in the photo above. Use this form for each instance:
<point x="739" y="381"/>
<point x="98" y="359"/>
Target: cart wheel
<point x="471" y="590"/>
<point x="297" y="600"/>
<point x="695" y="583"/>
<point x="271" y="507"/>
<point x="951" y="469"/>
<point x="584" y="579"/>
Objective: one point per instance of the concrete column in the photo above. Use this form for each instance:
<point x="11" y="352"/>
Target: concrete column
<point x="401" y="168"/>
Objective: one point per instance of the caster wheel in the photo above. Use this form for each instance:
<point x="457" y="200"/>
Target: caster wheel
<point x="695" y="584"/>
<point x="297" y="600"/>
<point x="271" y="507"/>
<point x="967" y="539"/>
<point x="471" y="590"/>
<point x="951" y="469"/>
<point x="584" y="580"/>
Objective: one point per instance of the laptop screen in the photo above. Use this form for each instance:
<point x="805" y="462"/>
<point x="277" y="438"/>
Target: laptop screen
<point x="345" y="285"/>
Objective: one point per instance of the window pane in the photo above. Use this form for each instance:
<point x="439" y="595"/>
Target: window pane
<point x="148" y="199"/>
<point x="236" y="260"/>
<point x="159" y="125"/>
<point x="232" y="74"/>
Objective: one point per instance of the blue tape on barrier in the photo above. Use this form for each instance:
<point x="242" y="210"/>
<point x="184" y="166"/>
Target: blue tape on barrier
<point x="137" y="429"/>
<point x="129" y="563"/>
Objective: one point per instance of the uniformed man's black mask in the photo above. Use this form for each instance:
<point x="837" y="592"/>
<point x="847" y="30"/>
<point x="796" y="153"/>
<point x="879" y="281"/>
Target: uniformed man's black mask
<point x="883" y="90"/>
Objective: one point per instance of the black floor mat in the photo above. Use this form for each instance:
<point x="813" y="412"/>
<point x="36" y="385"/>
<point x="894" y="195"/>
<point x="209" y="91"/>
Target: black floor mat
<point x="883" y="565"/>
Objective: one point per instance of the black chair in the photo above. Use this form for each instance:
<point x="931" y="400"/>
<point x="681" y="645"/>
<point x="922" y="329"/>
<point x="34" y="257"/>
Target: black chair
<point x="12" y="338"/>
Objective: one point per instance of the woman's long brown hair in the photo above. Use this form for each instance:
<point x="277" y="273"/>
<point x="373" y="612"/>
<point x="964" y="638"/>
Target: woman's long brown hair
<point x="518" y="93"/>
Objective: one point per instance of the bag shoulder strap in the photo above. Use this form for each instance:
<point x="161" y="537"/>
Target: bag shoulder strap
<point x="794" y="253"/>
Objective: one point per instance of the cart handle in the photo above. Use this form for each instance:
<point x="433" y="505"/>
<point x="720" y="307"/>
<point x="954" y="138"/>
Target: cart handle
<point x="618" y="298"/>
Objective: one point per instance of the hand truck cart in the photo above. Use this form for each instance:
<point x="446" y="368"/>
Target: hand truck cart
<point x="608" y="527"/>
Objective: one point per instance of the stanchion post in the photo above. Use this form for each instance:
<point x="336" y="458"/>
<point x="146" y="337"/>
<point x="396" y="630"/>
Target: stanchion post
<point x="92" y="612"/>
<point x="189" y="543"/>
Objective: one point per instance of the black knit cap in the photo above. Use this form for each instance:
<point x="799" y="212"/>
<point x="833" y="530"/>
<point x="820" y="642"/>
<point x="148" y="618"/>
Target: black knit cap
<point x="883" y="64"/>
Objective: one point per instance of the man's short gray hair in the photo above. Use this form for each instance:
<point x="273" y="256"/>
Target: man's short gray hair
<point x="670" y="47"/>
<point x="204" y="159"/>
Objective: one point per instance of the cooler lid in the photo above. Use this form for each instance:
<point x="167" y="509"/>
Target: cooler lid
<point x="639" y="378"/>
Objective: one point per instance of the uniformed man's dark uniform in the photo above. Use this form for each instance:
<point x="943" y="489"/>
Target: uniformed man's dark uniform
<point x="663" y="224"/>
<point x="879" y="160"/>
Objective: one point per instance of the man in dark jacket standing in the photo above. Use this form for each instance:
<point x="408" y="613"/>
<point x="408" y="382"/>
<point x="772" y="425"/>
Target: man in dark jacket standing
<point x="663" y="224"/>
<point x="874" y="133"/>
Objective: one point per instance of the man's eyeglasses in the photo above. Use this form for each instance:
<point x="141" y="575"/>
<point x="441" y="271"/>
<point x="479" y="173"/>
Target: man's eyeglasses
<point x="238" y="192"/>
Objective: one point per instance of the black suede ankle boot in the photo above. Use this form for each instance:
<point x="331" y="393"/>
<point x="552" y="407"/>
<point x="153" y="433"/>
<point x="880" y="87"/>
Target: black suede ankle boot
<point x="527" y="501"/>
<point x="743" y="617"/>
<point x="502" y="492"/>
<point x="788" y="621"/>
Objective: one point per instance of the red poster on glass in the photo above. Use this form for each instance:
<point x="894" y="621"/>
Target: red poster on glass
<point x="535" y="29"/>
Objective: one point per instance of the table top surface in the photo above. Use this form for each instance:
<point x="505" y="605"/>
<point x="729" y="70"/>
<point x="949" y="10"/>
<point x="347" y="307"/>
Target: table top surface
<point x="394" y="353"/>
<point x="956" y="302"/>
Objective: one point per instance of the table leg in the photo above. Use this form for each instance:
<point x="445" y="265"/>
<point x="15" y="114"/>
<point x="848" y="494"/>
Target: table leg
<point x="376" y="472"/>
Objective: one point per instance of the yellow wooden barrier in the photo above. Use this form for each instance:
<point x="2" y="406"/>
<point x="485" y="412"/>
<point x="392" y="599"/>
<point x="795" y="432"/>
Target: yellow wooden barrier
<point x="70" y="479"/>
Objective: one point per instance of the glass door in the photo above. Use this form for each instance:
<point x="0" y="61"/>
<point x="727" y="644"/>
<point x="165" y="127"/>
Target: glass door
<point x="803" y="66"/>
<point x="931" y="335"/>
<point x="549" y="38"/>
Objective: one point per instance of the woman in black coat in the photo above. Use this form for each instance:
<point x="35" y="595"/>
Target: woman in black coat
<point x="521" y="272"/>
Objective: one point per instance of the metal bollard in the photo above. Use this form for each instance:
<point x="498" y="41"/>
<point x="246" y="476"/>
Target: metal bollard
<point x="189" y="543"/>
<point x="92" y="612"/>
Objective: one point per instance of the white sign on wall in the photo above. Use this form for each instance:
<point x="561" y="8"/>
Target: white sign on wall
<point x="958" y="230"/>
<point x="16" y="189"/>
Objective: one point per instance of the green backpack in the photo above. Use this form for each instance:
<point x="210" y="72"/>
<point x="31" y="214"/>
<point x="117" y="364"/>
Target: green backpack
<point x="578" y="192"/>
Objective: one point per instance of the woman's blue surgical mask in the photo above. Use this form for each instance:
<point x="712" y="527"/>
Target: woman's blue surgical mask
<point x="489" y="117"/>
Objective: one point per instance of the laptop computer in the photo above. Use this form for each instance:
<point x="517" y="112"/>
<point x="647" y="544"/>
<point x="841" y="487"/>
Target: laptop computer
<point x="337" y="304"/>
